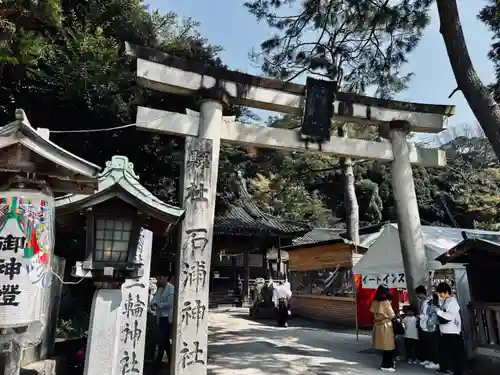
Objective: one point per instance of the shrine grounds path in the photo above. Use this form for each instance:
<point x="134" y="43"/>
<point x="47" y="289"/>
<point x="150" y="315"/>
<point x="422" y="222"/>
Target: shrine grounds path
<point x="240" y="346"/>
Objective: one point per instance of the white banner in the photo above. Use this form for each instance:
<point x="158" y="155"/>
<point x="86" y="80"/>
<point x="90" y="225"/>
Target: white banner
<point x="26" y="246"/>
<point x="392" y="280"/>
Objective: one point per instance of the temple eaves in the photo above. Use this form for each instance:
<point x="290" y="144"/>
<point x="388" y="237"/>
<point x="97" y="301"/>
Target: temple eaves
<point x="22" y="148"/>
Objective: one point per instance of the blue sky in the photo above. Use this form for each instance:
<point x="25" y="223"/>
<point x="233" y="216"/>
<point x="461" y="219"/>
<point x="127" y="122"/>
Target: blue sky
<point x="227" y="23"/>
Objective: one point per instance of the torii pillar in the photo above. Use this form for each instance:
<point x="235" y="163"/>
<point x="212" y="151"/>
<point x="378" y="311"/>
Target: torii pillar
<point x="405" y="198"/>
<point x="199" y="190"/>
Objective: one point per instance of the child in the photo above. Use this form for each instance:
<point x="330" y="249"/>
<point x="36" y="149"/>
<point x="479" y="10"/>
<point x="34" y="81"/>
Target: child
<point x="430" y="335"/>
<point x="411" y="335"/>
<point x="399" y="338"/>
<point x="399" y="352"/>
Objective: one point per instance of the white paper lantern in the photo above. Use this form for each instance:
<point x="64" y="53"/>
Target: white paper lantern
<point x="26" y="248"/>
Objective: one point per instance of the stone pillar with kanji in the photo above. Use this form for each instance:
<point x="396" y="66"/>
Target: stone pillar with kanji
<point x="201" y="161"/>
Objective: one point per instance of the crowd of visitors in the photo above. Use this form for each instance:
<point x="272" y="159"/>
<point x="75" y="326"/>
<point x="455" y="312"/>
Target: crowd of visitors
<point x="162" y="304"/>
<point x="432" y="331"/>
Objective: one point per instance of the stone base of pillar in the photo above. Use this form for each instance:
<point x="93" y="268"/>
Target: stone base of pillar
<point x="51" y="366"/>
<point x="104" y="332"/>
<point x="10" y="358"/>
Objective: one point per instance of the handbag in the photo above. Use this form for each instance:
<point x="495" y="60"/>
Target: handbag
<point x="397" y="326"/>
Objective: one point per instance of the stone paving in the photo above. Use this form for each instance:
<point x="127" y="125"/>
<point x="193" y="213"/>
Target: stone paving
<point x="239" y="346"/>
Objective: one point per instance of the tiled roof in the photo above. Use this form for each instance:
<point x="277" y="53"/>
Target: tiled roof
<point x="367" y="235"/>
<point x="244" y="218"/>
<point x="319" y="235"/>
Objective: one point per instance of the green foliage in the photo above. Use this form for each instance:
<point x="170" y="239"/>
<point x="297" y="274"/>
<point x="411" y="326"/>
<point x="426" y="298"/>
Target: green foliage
<point x="73" y="327"/>
<point x="463" y="194"/>
<point x="79" y="78"/>
<point x="370" y="203"/>
<point x="290" y="200"/>
<point x="490" y="15"/>
<point x="284" y="183"/>
<point x="65" y="66"/>
<point x="24" y="26"/>
<point x="361" y="43"/>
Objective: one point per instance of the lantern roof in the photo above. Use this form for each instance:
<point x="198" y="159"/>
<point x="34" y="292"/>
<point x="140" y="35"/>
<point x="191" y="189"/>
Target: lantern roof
<point x="25" y="150"/>
<point x="118" y="180"/>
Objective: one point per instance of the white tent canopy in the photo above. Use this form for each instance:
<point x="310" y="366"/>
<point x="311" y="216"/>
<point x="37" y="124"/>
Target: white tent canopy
<point x="384" y="255"/>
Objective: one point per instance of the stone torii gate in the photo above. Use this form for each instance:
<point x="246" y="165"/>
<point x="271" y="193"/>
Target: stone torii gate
<point x="215" y="87"/>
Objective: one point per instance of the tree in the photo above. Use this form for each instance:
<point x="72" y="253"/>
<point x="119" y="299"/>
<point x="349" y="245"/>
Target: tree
<point x="395" y="26"/>
<point x="357" y="44"/>
<point x="478" y="96"/>
<point x="280" y="176"/>
<point x="23" y="24"/>
<point x="360" y="43"/>
<point x="350" y="199"/>
<point x="81" y="79"/>
<point x="290" y="200"/>
<point x="286" y="183"/>
<point x="491" y="17"/>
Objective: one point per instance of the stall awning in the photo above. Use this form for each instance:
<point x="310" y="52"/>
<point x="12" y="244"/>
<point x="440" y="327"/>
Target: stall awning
<point x="384" y="255"/>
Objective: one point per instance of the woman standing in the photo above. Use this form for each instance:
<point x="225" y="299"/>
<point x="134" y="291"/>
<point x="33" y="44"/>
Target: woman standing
<point x="383" y="331"/>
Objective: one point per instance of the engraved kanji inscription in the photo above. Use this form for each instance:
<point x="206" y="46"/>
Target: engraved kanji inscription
<point x="197" y="240"/>
<point x="195" y="274"/>
<point x="133" y="307"/>
<point x="131" y="333"/>
<point x="193" y="312"/>
<point x="199" y="158"/>
<point x="196" y="192"/>
<point x="129" y="363"/>
<point x="191" y="354"/>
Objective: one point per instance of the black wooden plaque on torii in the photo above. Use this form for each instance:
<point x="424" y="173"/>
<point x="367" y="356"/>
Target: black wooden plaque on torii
<point x="318" y="109"/>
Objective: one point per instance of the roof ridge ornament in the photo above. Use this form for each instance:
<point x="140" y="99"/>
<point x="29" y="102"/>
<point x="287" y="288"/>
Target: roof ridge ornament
<point x="242" y="182"/>
<point x="20" y="115"/>
<point x="117" y="164"/>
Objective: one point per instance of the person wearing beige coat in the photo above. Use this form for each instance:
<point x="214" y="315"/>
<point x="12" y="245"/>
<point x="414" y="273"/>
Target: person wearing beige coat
<point x="383" y="331"/>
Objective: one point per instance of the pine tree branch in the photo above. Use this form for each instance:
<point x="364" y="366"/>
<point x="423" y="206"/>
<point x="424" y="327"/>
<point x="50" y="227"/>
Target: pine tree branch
<point x="475" y="92"/>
